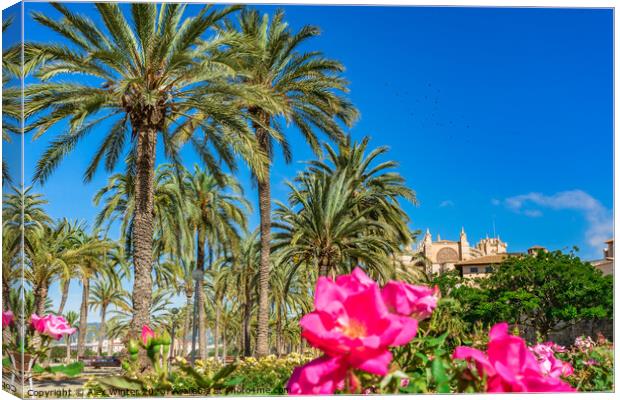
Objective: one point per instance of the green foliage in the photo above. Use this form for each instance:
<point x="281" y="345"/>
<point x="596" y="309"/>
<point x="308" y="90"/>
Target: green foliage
<point x="536" y="290"/>
<point x="593" y="367"/>
<point x="70" y="370"/>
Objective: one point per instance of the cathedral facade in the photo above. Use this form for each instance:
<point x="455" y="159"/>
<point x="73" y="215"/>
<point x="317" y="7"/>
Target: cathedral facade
<point x="440" y="255"/>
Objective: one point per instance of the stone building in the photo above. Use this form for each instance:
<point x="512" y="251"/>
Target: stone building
<point x="606" y="264"/>
<point x="441" y="255"/>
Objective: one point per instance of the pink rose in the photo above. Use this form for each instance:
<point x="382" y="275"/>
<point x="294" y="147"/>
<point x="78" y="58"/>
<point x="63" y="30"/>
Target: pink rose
<point x="51" y="325"/>
<point x="147" y="333"/>
<point x="351" y="321"/>
<point x="410" y="300"/>
<point x="323" y="375"/>
<point x="510" y="366"/>
<point x="7" y="318"/>
<point x="549" y="364"/>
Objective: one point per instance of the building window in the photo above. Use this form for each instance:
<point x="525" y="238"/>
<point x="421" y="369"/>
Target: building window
<point x="473" y="270"/>
<point x="488" y="270"/>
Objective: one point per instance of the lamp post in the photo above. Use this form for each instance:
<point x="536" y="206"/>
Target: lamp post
<point x="174" y="313"/>
<point x="197" y="275"/>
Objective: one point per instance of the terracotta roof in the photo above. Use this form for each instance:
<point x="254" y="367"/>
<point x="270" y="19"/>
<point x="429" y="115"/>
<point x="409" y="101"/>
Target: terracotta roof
<point x="536" y="247"/>
<point x="492" y="259"/>
<point x="609" y="241"/>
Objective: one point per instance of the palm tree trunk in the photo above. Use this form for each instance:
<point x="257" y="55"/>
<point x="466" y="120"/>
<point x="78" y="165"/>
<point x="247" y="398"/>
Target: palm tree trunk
<point x="262" y="338"/>
<point x="83" y="317"/>
<point x="216" y="330"/>
<point x="102" y="330"/>
<point x="202" y="317"/>
<point x="247" y="315"/>
<point x="264" y="202"/>
<point x="40" y="297"/>
<point x="224" y="346"/>
<point x="68" y="349"/>
<point x="65" y="295"/>
<point x="323" y="269"/>
<point x="279" y="334"/>
<point x="186" y="323"/>
<point x="142" y="232"/>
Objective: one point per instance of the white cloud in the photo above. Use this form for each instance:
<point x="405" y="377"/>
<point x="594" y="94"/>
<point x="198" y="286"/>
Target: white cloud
<point x="446" y="203"/>
<point x="598" y="217"/>
<point x="533" y="213"/>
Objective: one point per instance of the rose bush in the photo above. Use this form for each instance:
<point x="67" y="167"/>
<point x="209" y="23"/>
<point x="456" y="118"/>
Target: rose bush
<point x="510" y="366"/>
<point x="356" y="323"/>
<point x="380" y="340"/>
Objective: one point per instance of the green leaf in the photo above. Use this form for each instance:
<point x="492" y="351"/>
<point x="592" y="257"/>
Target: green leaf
<point x="224" y="372"/>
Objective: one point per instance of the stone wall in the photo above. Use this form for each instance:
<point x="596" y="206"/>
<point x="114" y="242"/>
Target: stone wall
<point x="566" y="335"/>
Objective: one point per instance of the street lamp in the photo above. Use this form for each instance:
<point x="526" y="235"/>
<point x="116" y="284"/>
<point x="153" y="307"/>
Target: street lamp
<point x="174" y="313"/>
<point x="197" y="275"/>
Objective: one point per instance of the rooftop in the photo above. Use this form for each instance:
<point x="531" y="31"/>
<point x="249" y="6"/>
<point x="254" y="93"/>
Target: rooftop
<point x="484" y="260"/>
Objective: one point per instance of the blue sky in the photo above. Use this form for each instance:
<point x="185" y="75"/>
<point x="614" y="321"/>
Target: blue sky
<point x="496" y="116"/>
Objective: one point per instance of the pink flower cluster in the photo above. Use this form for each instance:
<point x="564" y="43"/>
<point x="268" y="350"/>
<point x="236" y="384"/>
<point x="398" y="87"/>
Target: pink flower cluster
<point x="51" y="325"/>
<point x="7" y="318"/>
<point x="510" y="366"/>
<point x="355" y="322"/>
<point x="584" y="343"/>
<point x="549" y="364"/>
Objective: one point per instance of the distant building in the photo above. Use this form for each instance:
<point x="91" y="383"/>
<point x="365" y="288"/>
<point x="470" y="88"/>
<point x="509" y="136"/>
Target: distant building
<point x="442" y="255"/>
<point x="481" y="266"/>
<point x="606" y="265"/>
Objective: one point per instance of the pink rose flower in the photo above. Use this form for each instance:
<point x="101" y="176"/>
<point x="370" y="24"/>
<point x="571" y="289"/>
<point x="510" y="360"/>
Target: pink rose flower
<point x="323" y="375"/>
<point x="51" y="325"/>
<point x="510" y="366"/>
<point x="549" y="364"/>
<point x="147" y="333"/>
<point x="7" y="318"/>
<point x="410" y="300"/>
<point x="584" y="343"/>
<point x="351" y="321"/>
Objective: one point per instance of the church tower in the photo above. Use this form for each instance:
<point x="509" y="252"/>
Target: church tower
<point x="464" y="246"/>
<point x="427" y="243"/>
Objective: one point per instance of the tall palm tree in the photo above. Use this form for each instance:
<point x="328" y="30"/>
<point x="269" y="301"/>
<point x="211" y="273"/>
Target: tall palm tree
<point x="321" y="229"/>
<point x="95" y="264"/>
<point x="312" y="87"/>
<point x="105" y="293"/>
<point x="245" y="270"/>
<point x="379" y="187"/>
<point x="153" y="77"/>
<point x="216" y="211"/>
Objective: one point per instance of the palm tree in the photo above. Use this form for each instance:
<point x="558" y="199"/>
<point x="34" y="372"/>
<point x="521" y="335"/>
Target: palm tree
<point x="154" y="76"/>
<point x="72" y="318"/>
<point x="321" y="229"/>
<point x="289" y="298"/>
<point x="56" y="251"/>
<point x="380" y="187"/>
<point x="245" y="270"/>
<point x="312" y="87"/>
<point x="30" y="204"/>
<point x="93" y="265"/>
<point x="120" y="323"/>
<point x="215" y="210"/>
<point x="103" y="295"/>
